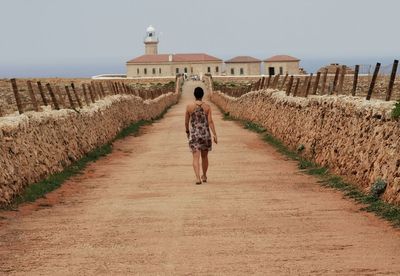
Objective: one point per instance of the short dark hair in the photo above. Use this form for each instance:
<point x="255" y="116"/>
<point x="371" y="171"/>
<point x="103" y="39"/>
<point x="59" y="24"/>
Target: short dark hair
<point x="198" y="93"/>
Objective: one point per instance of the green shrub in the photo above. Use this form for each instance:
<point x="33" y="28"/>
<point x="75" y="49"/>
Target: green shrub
<point x="227" y="116"/>
<point x="254" y="127"/>
<point x="396" y="111"/>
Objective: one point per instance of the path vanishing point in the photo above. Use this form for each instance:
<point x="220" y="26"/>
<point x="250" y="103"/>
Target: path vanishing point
<point x="138" y="212"/>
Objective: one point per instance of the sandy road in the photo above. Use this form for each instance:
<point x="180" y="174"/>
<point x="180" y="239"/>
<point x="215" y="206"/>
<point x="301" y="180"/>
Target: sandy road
<point x="137" y="211"/>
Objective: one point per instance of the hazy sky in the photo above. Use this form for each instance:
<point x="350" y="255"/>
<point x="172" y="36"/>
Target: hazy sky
<point x="60" y="36"/>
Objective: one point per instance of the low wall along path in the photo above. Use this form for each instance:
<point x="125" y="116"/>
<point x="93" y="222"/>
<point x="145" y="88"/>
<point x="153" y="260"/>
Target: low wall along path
<point x="354" y="137"/>
<point x="37" y="144"/>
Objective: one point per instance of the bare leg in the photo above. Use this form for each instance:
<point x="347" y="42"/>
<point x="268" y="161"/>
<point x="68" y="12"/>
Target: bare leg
<point x="204" y="163"/>
<point x="196" y="164"/>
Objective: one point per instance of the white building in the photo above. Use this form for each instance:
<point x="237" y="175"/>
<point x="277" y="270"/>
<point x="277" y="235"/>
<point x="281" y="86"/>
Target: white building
<point x="243" y="65"/>
<point x="281" y="64"/>
<point x="152" y="64"/>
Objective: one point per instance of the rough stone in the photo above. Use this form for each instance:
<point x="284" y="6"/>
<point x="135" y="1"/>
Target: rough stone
<point x="37" y="144"/>
<point x="355" y="138"/>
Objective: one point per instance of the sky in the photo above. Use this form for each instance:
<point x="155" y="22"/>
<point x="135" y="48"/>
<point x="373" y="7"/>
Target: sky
<point x="82" y="38"/>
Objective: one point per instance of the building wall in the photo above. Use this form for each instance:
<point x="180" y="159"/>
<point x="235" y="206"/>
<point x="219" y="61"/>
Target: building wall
<point x="169" y="69"/>
<point x="151" y="48"/>
<point x="132" y="70"/>
<point x="290" y="67"/>
<point x="248" y="68"/>
<point x="199" y="68"/>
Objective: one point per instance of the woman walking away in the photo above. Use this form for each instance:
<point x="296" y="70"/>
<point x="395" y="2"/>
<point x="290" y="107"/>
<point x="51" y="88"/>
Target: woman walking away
<point x="199" y="115"/>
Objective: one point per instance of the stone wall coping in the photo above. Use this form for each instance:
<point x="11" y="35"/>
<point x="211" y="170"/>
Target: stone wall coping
<point x="374" y="107"/>
<point x="16" y="120"/>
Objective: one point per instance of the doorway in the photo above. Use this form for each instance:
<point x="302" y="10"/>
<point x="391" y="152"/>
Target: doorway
<point x="271" y="71"/>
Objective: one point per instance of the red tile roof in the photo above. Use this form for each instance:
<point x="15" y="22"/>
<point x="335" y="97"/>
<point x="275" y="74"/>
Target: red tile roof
<point x="175" y="58"/>
<point x="150" y="59"/>
<point x="281" y="58"/>
<point x="194" y="57"/>
<point x="243" y="59"/>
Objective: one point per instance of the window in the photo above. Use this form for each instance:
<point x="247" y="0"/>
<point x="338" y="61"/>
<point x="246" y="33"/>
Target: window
<point x="271" y="71"/>
<point x="145" y="71"/>
<point x="191" y="70"/>
<point x="209" y="69"/>
<point x="177" y="70"/>
<point x="159" y="70"/>
<point x="216" y="69"/>
<point x="138" y="71"/>
<point x="150" y="34"/>
<point x="185" y="70"/>
<point x="281" y="70"/>
<point x="232" y="71"/>
<point x="154" y="71"/>
<point x="241" y="71"/>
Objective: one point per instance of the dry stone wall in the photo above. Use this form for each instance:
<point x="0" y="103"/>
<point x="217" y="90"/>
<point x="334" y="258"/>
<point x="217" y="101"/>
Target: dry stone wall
<point x="355" y="138"/>
<point x="225" y="79"/>
<point x="363" y="84"/>
<point x="37" y="144"/>
<point x="7" y="100"/>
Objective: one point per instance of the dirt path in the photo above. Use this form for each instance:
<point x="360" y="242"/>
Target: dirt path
<point x="137" y="211"/>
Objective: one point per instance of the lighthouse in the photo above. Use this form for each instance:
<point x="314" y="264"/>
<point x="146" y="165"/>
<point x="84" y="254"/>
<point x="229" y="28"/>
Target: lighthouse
<point x="151" y="41"/>
<point x="153" y="64"/>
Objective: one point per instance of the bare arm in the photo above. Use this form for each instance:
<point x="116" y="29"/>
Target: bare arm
<point x="187" y="117"/>
<point x="212" y="126"/>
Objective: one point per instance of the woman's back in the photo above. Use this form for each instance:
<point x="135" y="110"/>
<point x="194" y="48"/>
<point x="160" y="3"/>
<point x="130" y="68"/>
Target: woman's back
<point x="193" y="106"/>
<point x="200" y="137"/>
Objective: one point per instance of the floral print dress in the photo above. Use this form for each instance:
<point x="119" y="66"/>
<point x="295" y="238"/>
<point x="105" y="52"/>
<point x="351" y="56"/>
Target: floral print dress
<point x="200" y="137"/>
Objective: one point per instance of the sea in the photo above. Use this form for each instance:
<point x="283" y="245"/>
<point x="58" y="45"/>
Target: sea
<point x="117" y="66"/>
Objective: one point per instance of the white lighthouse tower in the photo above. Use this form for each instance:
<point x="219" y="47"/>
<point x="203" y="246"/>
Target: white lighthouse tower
<point x="151" y="41"/>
